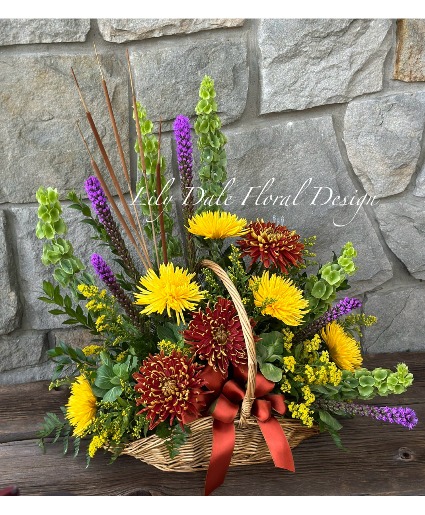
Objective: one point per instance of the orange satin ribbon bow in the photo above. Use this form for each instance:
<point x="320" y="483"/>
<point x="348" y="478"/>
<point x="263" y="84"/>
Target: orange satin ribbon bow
<point x="224" y="411"/>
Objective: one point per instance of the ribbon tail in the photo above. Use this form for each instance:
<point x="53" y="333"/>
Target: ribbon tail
<point x="278" y="444"/>
<point x="223" y="443"/>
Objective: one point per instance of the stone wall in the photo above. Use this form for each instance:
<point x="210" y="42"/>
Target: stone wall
<point x="322" y="109"/>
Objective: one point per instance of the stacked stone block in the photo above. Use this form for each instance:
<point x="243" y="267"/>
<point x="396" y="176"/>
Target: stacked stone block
<point x="321" y="108"/>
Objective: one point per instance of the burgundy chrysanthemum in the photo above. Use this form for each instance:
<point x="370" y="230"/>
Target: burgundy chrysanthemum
<point x="216" y="336"/>
<point x="273" y="245"/>
<point x="169" y="386"/>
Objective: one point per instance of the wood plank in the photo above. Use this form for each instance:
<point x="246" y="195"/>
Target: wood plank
<point x="381" y="459"/>
<point x="23" y="406"/>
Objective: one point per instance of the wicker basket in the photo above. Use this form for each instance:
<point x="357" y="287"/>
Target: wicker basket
<point x="250" y="446"/>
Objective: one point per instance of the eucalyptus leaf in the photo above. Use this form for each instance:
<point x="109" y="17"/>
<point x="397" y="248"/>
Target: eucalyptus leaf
<point x="104" y="376"/>
<point x="262" y="352"/>
<point x="99" y="392"/>
<point x="273" y="343"/>
<point x="271" y="372"/>
<point x="106" y="360"/>
<point x="112" y="394"/>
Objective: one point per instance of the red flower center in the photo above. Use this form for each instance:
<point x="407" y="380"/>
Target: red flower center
<point x="220" y="335"/>
<point x="169" y="387"/>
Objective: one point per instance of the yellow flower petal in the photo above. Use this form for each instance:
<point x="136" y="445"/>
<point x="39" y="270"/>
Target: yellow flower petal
<point x="279" y="298"/>
<point x="81" y="407"/>
<point x="171" y="290"/>
<point x="344" y="349"/>
<point x="217" y="225"/>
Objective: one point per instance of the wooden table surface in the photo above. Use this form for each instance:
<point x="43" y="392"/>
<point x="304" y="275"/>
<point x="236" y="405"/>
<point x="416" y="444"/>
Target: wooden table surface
<point x="381" y="459"/>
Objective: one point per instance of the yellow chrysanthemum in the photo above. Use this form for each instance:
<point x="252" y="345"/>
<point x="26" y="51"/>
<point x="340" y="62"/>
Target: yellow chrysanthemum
<point x="171" y="290"/>
<point x="279" y="298"/>
<point x="216" y="225"/>
<point x="344" y="349"/>
<point x="81" y="407"/>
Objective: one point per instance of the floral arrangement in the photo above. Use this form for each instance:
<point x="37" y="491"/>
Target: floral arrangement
<point x="168" y="340"/>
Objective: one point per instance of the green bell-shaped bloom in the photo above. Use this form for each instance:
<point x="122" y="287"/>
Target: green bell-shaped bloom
<point x="366" y="380"/>
<point x="319" y="289"/>
<point x="380" y="374"/>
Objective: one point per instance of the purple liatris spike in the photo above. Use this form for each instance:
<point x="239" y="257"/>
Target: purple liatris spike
<point x="184" y="146"/>
<point x="341" y="308"/>
<point x="394" y="415"/>
<point x="100" y="206"/>
<point x="184" y="157"/>
<point x="98" y="199"/>
<point x="103" y="270"/>
<point x="185" y="163"/>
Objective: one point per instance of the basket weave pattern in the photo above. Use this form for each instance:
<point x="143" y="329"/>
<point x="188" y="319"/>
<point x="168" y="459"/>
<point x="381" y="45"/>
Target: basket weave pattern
<point x="250" y="446"/>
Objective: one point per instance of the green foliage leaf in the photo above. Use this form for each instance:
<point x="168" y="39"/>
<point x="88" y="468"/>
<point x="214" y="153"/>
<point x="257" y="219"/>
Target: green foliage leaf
<point x="169" y="331"/>
<point x="48" y="288"/>
<point x="104" y="376"/>
<point x="57" y="312"/>
<point x="66" y="266"/>
<point x="67" y="302"/>
<point x="337" y="440"/>
<point x="273" y="340"/>
<point x="53" y="426"/>
<point x="98" y="392"/>
<point x="106" y="360"/>
<point x="175" y="437"/>
<point x="271" y="372"/>
<point x="112" y="394"/>
<point x="329" y="420"/>
<point x="121" y="371"/>
<point x="262" y="353"/>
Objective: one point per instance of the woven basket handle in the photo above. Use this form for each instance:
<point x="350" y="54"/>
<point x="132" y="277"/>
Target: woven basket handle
<point x="248" y="336"/>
